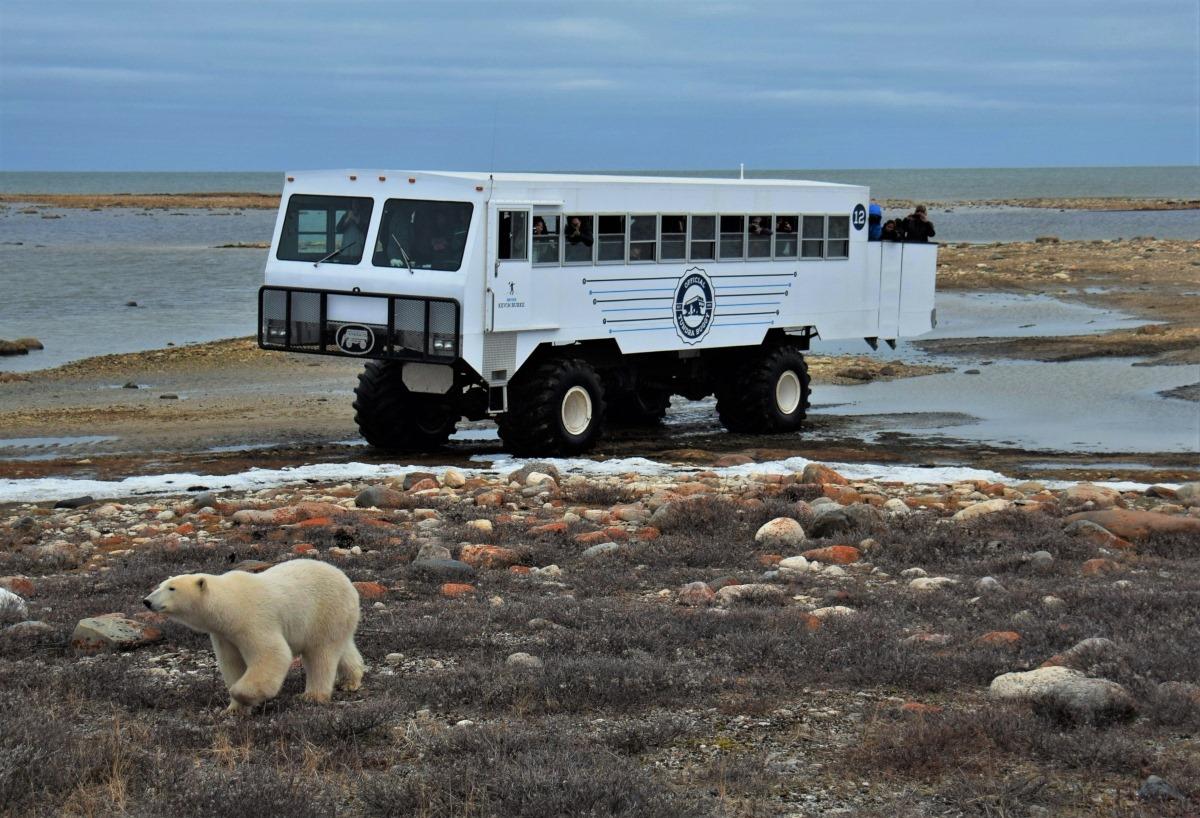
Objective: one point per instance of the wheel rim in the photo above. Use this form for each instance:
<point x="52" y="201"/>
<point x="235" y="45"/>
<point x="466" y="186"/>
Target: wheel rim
<point x="788" y="392"/>
<point x="576" y="410"/>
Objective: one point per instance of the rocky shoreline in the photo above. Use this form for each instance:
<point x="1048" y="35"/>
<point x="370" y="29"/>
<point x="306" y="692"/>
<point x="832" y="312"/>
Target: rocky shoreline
<point x="783" y="644"/>
<point x="269" y="201"/>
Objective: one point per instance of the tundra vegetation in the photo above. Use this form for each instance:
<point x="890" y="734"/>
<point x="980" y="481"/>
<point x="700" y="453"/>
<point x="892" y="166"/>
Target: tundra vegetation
<point x="693" y="644"/>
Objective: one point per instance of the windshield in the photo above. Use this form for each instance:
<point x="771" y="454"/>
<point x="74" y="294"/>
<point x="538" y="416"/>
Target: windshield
<point x="422" y="235"/>
<point x="325" y="229"/>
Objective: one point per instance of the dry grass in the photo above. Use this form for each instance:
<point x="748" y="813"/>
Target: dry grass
<point x="643" y="707"/>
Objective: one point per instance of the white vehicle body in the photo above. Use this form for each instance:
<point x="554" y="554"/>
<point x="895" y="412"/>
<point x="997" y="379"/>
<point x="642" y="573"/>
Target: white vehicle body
<point x="649" y="289"/>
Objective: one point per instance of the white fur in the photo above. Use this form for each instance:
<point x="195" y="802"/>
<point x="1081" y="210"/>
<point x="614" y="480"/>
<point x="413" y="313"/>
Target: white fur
<point x="259" y="622"/>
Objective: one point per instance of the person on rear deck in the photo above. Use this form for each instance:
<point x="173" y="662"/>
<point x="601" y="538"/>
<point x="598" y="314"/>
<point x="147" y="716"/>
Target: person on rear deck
<point x="917" y="226"/>
<point x="874" y="222"/>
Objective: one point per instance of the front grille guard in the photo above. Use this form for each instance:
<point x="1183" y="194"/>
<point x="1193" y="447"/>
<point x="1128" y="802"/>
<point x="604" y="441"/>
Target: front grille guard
<point x="295" y="319"/>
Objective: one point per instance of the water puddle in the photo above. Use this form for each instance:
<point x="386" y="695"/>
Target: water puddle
<point x="1093" y="406"/>
<point x="48" y="448"/>
<point x="996" y="315"/>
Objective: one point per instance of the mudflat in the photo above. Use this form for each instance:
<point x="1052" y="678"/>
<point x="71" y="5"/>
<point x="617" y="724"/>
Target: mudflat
<point x="223" y="406"/>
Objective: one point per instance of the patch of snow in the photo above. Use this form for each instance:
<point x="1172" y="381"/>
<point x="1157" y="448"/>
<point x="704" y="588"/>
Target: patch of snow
<point x="56" y="488"/>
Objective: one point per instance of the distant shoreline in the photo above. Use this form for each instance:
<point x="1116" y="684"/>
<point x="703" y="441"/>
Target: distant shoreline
<point x="269" y="201"/>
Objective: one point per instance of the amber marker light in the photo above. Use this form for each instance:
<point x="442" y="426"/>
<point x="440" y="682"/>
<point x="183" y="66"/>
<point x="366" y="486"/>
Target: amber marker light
<point x="353" y="178"/>
<point x="412" y="180"/>
<point x="291" y="178"/>
<point x="479" y="188"/>
<point x="383" y="178"/>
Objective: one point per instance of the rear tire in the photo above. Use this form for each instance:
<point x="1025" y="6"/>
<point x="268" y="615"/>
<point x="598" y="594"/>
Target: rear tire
<point x="391" y="417"/>
<point x="555" y="408"/>
<point x="765" y="392"/>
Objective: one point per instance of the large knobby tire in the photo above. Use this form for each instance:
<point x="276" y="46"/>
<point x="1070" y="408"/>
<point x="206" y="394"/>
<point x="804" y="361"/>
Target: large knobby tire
<point x="764" y="392"/>
<point x="391" y="417"/>
<point x="644" y="407"/>
<point x="554" y="408"/>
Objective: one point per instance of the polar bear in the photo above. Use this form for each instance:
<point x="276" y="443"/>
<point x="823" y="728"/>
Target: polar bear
<point x="259" y="622"/>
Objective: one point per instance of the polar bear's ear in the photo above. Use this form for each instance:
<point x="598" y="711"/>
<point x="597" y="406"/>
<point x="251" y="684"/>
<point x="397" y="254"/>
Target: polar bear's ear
<point x="200" y="583"/>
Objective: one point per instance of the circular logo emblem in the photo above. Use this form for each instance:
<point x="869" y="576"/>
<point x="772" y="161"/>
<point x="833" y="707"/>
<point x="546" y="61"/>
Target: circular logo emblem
<point x="355" y="339"/>
<point x="693" y="306"/>
<point x="859" y="219"/>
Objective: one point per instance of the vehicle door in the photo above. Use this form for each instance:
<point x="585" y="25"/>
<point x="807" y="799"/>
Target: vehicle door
<point x="523" y="266"/>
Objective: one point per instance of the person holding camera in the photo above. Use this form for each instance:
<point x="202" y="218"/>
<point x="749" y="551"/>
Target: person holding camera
<point x="917" y="227"/>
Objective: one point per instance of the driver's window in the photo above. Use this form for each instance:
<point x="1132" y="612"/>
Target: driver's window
<point x="513" y="233"/>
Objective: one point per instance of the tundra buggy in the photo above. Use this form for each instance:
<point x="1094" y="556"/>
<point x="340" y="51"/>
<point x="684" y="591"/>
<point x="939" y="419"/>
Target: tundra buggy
<point x="557" y="303"/>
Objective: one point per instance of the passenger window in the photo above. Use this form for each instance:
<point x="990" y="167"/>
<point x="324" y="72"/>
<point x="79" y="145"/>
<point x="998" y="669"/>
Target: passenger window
<point x="785" y="236"/>
<point x="733" y="233"/>
<point x="758" y="237"/>
<point x="704" y="234"/>
<point x="839" y="237"/>
<point x="545" y="238"/>
<point x="610" y="246"/>
<point x="578" y="240"/>
<point x="643" y="238"/>
<point x="812" y="244"/>
<point x="674" y="238"/>
<point x="514" y="227"/>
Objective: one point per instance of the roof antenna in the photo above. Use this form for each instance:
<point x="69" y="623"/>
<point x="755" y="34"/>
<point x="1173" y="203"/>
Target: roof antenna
<point x="741" y="170"/>
<point x="492" y="164"/>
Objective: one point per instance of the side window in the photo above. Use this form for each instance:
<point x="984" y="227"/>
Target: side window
<point x="579" y="239"/>
<point x="610" y="246"/>
<point x="674" y="238"/>
<point x="546" y="237"/>
<point x="839" y="237"/>
<point x="758" y="237"/>
<point x="733" y="236"/>
<point x="785" y="236"/>
<point x="812" y="244"/>
<point x="704" y="235"/>
<point x="514" y="227"/>
<point x="643" y="238"/>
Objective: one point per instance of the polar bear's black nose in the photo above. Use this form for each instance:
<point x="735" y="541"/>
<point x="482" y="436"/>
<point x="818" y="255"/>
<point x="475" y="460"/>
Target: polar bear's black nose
<point x="146" y="602"/>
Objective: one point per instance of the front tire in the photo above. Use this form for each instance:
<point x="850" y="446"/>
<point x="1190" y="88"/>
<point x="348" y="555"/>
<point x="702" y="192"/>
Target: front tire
<point x="765" y="392"/>
<point x="555" y="408"/>
<point x="391" y="417"/>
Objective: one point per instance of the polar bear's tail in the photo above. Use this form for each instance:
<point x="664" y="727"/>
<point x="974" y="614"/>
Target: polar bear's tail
<point x="350" y="668"/>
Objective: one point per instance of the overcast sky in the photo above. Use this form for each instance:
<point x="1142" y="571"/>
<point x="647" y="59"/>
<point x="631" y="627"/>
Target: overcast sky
<point x="267" y="85"/>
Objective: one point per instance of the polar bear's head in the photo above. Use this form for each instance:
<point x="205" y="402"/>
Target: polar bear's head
<point x="179" y="596"/>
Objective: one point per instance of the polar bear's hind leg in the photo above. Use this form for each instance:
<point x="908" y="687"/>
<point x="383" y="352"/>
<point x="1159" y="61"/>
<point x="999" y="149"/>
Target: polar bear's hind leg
<point x="350" y="668"/>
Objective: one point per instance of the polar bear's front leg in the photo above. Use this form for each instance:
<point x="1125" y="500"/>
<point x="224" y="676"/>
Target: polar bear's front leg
<point x="267" y="666"/>
<point x="229" y="659"/>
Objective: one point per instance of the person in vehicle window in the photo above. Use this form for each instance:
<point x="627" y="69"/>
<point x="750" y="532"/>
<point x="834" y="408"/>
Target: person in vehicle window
<point x="353" y="230"/>
<point x="539" y="226"/>
<point x="917" y="226"/>
<point x="757" y="228"/>
<point x="576" y="232"/>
